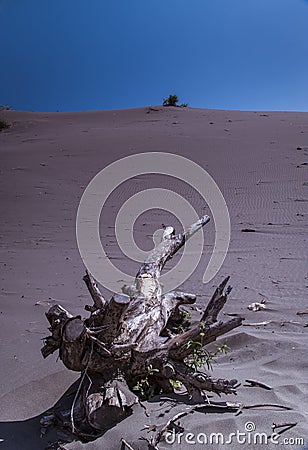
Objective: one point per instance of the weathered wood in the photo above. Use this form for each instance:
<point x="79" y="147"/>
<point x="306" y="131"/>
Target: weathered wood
<point x="113" y="318"/>
<point x="149" y="310"/>
<point x="141" y="336"/>
<point x="57" y="317"/>
<point x="178" y="348"/>
<point x="200" y="381"/>
<point x="253" y="383"/>
<point x="98" y="299"/>
<point x="217" y="302"/>
<point x="147" y="278"/>
<point x="72" y="351"/>
<point x="107" y="404"/>
<point x="57" y="314"/>
<point x="169" y="245"/>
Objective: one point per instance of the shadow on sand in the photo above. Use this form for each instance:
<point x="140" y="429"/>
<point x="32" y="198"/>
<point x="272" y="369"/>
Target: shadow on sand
<point x="27" y="434"/>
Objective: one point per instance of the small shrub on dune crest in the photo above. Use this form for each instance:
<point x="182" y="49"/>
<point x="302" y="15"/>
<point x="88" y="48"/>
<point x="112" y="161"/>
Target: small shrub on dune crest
<point x="172" y="100"/>
<point x="4" y="125"/>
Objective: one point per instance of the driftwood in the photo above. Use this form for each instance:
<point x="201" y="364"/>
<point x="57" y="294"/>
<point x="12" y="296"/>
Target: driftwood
<point x="255" y="383"/>
<point x="141" y="334"/>
<point x="171" y="424"/>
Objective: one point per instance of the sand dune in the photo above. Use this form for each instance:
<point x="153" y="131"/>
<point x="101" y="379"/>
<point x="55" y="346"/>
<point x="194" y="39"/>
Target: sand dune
<point x="259" y="161"/>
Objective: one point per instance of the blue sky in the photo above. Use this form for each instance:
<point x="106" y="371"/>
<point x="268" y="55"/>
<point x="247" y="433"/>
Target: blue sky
<point x="71" y="55"/>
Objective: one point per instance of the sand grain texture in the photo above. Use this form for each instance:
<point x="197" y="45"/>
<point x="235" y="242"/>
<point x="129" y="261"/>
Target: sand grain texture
<point x="259" y="161"/>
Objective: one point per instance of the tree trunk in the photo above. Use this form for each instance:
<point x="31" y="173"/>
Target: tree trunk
<point x="141" y="338"/>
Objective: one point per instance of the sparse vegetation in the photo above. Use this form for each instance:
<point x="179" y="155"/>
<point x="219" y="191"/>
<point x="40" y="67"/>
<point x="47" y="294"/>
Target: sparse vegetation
<point x="144" y="388"/>
<point x="5" y="107"/>
<point x="200" y="357"/>
<point x="172" y="100"/>
<point x="4" y="124"/>
<point x="176" y="384"/>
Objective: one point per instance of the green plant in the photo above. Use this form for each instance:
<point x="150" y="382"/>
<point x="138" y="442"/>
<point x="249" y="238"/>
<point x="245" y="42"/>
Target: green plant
<point x="185" y="321"/>
<point x="176" y="384"/>
<point x="171" y="100"/>
<point x="185" y="315"/>
<point x="4" y="125"/>
<point x="200" y="356"/>
<point x="144" y="388"/>
<point x="183" y="105"/>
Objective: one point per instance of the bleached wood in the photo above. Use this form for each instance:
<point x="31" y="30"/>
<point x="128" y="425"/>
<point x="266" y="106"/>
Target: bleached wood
<point x="131" y="338"/>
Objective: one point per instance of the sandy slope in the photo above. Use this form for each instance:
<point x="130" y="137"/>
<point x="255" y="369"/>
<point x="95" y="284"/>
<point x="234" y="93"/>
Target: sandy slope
<point x="259" y="161"/>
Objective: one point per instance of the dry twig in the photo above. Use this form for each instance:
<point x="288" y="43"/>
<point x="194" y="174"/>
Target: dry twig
<point x="258" y="384"/>
<point x="227" y="406"/>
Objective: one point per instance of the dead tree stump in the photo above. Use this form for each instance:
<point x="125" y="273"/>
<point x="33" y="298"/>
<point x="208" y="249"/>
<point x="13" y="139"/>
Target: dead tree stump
<point x="134" y="336"/>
